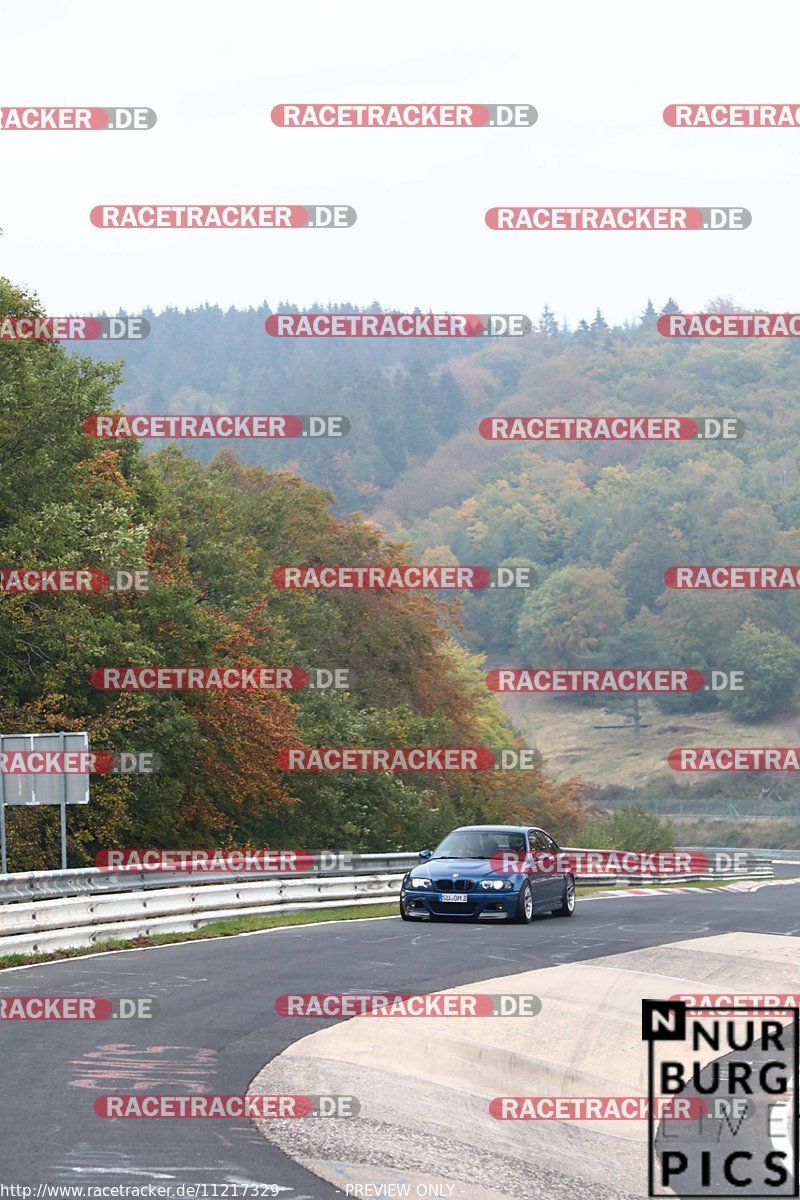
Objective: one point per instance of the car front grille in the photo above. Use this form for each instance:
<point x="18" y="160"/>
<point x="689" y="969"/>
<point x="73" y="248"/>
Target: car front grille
<point x="454" y="885"/>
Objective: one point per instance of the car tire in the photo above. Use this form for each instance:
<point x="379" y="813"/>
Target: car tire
<point x="567" y="906"/>
<point x="524" y="913"/>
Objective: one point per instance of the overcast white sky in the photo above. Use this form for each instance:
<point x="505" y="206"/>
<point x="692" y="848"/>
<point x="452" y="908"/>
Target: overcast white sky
<point x="599" y="75"/>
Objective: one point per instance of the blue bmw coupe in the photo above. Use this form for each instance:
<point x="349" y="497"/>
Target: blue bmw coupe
<point x="485" y="871"/>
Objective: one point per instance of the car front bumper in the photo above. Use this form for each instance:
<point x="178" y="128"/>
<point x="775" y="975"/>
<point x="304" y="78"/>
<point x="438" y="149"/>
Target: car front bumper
<point x="491" y="905"/>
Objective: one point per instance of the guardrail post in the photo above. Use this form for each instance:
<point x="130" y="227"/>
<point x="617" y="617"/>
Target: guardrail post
<point x="4" y="867"/>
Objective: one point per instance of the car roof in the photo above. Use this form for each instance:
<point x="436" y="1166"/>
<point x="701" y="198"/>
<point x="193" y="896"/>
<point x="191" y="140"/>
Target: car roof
<point x="497" y="828"/>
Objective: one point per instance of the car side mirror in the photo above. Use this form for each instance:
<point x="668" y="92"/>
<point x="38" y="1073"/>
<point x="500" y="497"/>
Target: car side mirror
<point x="425" y="855"/>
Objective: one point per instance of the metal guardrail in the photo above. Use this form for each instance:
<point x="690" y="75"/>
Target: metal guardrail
<point x="48" y="885"/>
<point x="53" y="910"/>
<point x="771" y="854"/>
<point x="83" y="921"/>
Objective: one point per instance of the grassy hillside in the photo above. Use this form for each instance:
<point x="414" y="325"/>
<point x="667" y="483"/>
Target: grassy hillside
<point x="568" y="737"/>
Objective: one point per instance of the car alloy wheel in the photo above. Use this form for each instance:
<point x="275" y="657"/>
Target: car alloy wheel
<point x="524" y="913"/>
<point x="568" y="903"/>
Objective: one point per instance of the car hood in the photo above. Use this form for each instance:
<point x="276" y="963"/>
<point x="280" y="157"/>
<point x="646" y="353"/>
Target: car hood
<point x="445" y="868"/>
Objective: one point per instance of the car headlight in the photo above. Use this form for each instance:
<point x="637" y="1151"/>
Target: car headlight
<point x="497" y="885"/>
<point x="420" y="883"/>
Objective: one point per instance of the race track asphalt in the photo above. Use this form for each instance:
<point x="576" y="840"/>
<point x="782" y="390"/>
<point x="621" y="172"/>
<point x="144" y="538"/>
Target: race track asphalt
<point x="217" y="1025"/>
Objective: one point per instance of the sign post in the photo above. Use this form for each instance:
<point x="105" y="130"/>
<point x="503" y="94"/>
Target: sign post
<point x="63" y="798"/>
<point x="3" y="858"/>
<point x="36" y="788"/>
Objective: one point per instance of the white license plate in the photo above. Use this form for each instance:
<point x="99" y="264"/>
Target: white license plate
<point x="453" y="898"/>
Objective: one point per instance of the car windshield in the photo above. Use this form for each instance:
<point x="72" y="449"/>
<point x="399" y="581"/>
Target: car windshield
<point x="479" y="843"/>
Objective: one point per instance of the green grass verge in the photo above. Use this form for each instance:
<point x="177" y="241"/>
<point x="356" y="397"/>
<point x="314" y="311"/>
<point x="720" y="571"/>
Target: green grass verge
<point x="214" y="929"/>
